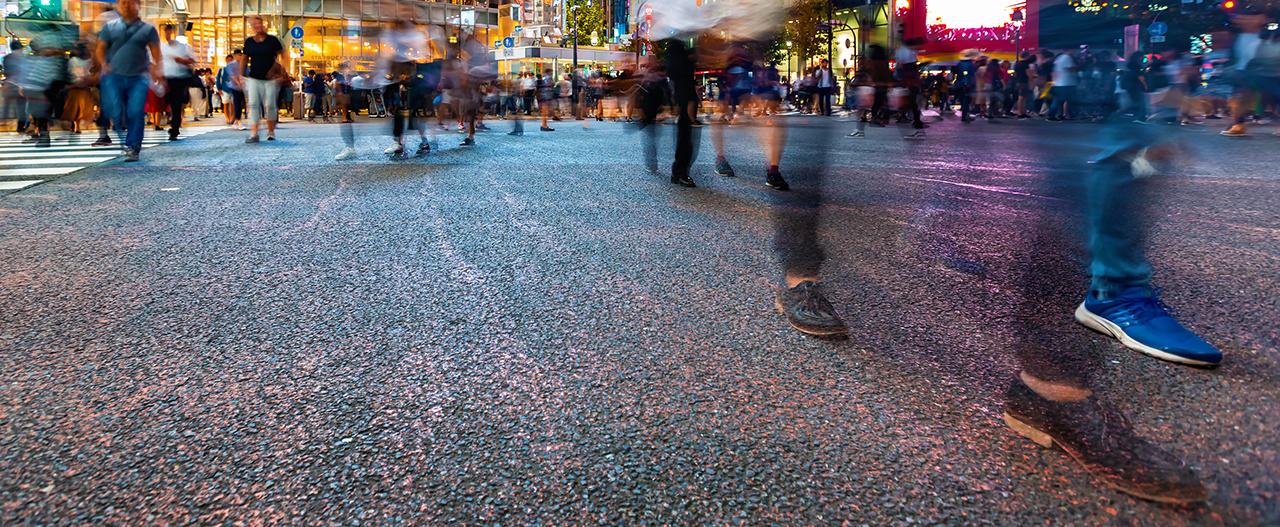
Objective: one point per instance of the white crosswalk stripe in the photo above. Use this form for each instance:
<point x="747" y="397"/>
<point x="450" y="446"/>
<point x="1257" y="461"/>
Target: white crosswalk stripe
<point x="20" y="161"/>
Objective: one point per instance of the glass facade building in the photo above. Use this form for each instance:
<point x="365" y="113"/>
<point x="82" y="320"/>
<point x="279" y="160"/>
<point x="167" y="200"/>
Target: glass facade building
<point x="334" y="31"/>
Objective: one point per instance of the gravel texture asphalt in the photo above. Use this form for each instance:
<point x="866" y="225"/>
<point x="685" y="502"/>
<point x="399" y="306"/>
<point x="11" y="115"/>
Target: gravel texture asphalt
<point x="536" y="331"/>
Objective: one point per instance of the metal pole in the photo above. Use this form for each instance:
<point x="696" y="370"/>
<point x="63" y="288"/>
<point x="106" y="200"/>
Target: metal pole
<point x="573" y="79"/>
<point x="831" y="15"/>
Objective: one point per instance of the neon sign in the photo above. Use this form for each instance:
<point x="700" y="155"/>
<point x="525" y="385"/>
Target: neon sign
<point x="1088" y="6"/>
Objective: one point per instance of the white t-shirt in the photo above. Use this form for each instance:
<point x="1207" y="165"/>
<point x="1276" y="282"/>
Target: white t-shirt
<point x="905" y="56"/>
<point x="1062" y="74"/>
<point x="170" y="51"/>
<point x="1246" y="47"/>
<point x="825" y="79"/>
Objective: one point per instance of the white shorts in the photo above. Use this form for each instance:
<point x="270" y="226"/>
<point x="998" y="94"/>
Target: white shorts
<point x="227" y="98"/>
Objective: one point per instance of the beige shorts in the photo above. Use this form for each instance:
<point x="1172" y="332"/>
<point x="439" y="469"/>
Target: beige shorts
<point x="227" y="98"/>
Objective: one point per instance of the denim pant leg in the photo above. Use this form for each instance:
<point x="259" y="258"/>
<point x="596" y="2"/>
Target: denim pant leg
<point x="134" y="101"/>
<point x="1115" y="208"/>
<point x="109" y="100"/>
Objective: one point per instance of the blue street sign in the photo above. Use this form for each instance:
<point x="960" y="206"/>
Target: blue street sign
<point x="1158" y="29"/>
<point x="295" y="32"/>
<point x="508" y="42"/>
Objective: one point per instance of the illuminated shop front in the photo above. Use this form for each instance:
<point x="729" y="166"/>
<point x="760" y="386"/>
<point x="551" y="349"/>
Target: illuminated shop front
<point x="334" y="31"/>
<point x="999" y="28"/>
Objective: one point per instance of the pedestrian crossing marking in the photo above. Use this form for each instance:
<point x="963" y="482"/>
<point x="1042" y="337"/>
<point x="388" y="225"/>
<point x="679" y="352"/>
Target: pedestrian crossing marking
<point x="10" y="162"/>
<point x="44" y="152"/>
<point x="18" y="185"/>
<point x="47" y="171"/>
<point x="70" y="144"/>
<point x="19" y="159"/>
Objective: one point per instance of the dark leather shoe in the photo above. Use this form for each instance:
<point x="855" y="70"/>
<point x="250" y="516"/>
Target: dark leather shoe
<point x="809" y="311"/>
<point x="1100" y="438"/>
<point x="682" y="180"/>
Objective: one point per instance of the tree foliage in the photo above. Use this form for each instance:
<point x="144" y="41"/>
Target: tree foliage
<point x="772" y="48"/>
<point x="590" y="18"/>
<point x="806" y="29"/>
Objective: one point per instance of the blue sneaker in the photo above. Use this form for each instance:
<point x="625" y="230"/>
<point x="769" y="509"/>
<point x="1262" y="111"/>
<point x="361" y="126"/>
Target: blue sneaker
<point x="1143" y="323"/>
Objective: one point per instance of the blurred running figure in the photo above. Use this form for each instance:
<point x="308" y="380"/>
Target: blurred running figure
<point x="127" y="72"/>
<point x="1051" y="401"/>
<point x="738" y="72"/>
<point x="178" y="77"/>
<point x="229" y="85"/>
<point x="407" y="93"/>
<point x="263" y="53"/>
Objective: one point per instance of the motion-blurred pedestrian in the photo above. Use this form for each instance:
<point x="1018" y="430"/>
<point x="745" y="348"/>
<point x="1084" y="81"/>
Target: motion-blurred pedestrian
<point x="127" y="73"/>
<point x="264" y="58"/>
<point x="178" y="77"/>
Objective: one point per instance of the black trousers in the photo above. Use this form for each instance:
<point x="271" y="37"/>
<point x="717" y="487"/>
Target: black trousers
<point x="913" y="106"/>
<point x="796" y="214"/>
<point x="824" y="101"/>
<point x="176" y="97"/>
<point x="685" y="150"/>
<point x="237" y="98"/>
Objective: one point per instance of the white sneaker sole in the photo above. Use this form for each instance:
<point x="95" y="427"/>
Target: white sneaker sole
<point x="1109" y="328"/>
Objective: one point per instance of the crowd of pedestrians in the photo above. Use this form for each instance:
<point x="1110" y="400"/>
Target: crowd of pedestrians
<point x="425" y="75"/>
<point x="128" y="75"/>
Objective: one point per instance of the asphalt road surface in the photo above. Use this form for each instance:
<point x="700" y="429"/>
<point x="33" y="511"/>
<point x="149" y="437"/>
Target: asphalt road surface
<point x="537" y="331"/>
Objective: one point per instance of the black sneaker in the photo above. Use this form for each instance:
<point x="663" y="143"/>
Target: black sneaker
<point x="173" y="137"/>
<point x="548" y="129"/>
<point x="682" y="180"/>
<point x="808" y="311"/>
<point x="424" y="149"/>
<point x="102" y="141"/>
<point x="252" y="139"/>
<point x="131" y="155"/>
<point x="723" y="168"/>
<point x="1101" y="440"/>
<point x="515" y="133"/>
<point x="774" y="179"/>
<point x="468" y="142"/>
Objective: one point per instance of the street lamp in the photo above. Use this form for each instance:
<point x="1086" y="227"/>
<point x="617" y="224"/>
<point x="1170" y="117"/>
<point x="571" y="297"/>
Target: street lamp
<point x="789" y="76"/>
<point x="1017" y="19"/>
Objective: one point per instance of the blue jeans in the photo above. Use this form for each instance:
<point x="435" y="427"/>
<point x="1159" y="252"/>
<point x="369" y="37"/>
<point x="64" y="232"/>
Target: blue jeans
<point x="1115" y="206"/>
<point x="125" y="99"/>
<point x="1061" y="96"/>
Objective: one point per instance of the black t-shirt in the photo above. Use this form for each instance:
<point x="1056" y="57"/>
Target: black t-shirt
<point x="1020" y="71"/>
<point x="261" y="56"/>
